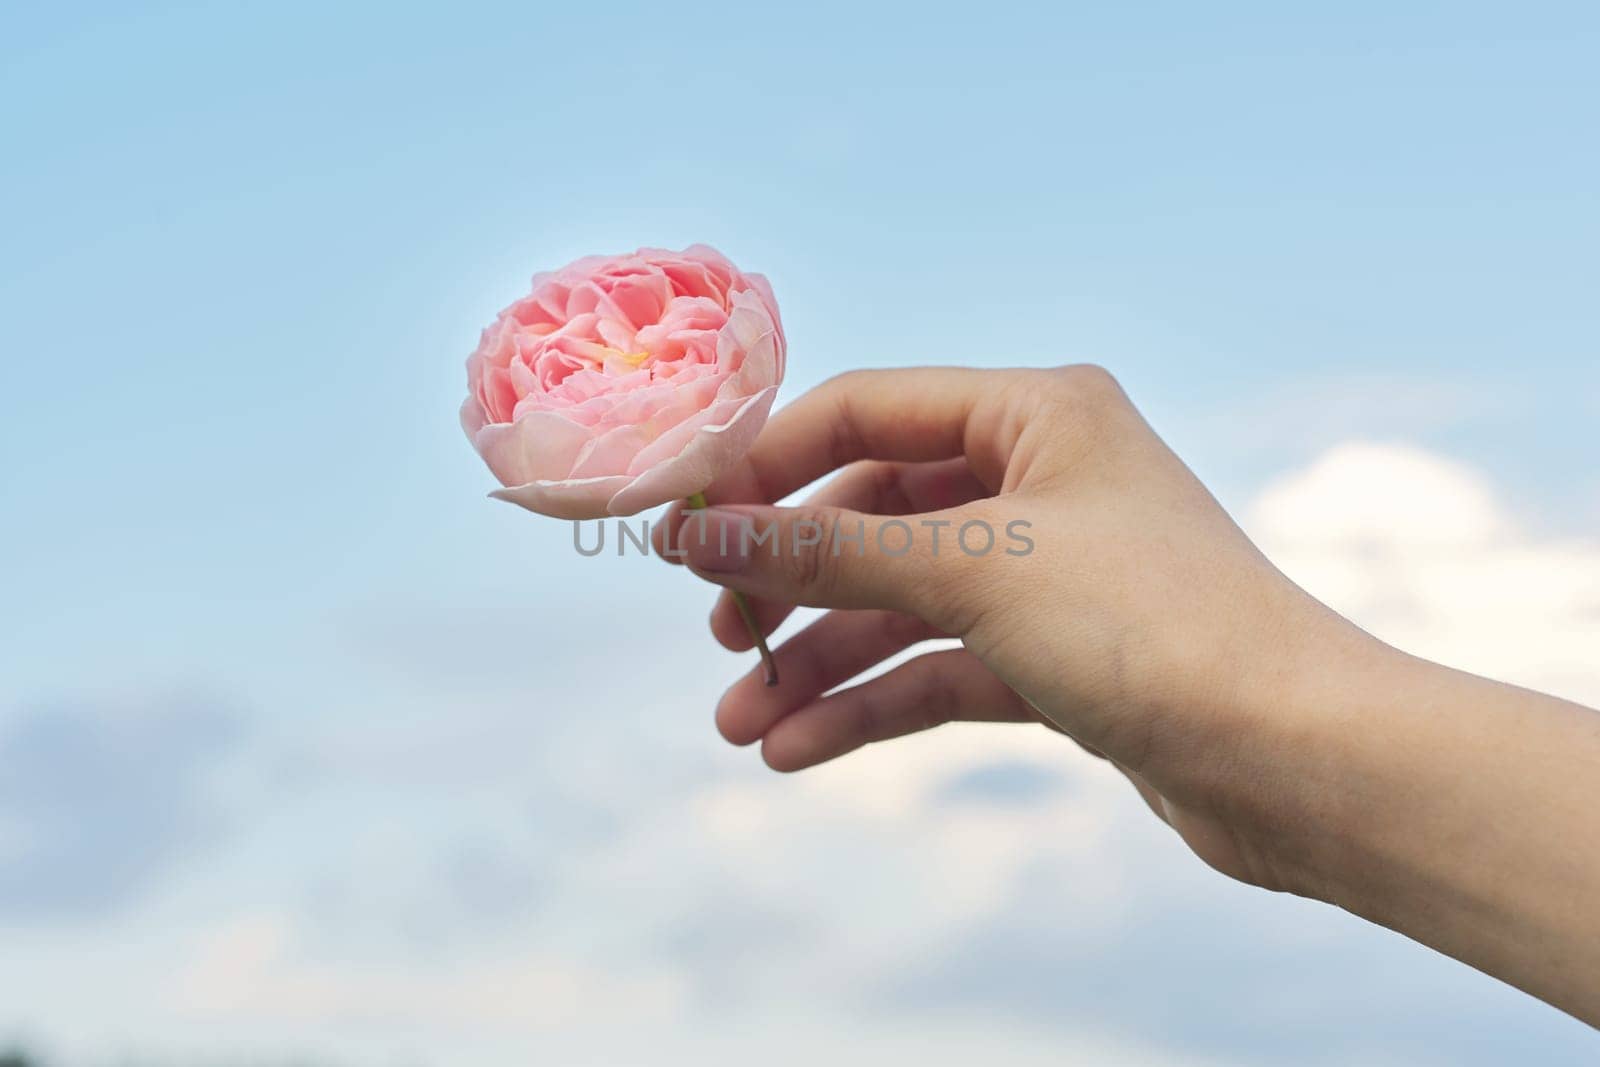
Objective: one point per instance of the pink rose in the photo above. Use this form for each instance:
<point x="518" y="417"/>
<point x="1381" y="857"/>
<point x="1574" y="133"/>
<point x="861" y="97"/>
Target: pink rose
<point x="623" y="382"/>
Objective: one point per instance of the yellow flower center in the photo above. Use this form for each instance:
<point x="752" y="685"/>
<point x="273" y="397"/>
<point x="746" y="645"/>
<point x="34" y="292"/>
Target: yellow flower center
<point x="632" y="359"/>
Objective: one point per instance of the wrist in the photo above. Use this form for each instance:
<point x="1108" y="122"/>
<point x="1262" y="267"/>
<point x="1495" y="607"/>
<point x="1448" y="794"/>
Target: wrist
<point x="1293" y="734"/>
<point x="1430" y="801"/>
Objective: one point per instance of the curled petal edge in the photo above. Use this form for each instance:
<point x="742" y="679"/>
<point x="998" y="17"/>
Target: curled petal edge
<point x="540" y="442"/>
<point x="712" y="450"/>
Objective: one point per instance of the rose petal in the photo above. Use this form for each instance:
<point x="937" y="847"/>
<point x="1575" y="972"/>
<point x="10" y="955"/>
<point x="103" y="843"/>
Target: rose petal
<point x="472" y="417"/>
<point x="763" y="289"/>
<point x="721" y="268"/>
<point x="640" y="299"/>
<point x="759" y="370"/>
<point x="572" y="499"/>
<point x="617" y="334"/>
<point x="539" y="444"/>
<point x="712" y="450"/>
<point x="676" y="438"/>
<point x="746" y="323"/>
<point x="610" y="453"/>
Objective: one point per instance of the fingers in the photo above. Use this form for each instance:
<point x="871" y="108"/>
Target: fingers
<point x="872" y="486"/>
<point x="830" y="651"/>
<point x="918" y="695"/>
<point x="913" y="415"/>
<point x="802" y="728"/>
<point x="834" y="558"/>
<point x="880" y="487"/>
<point x="917" y="415"/>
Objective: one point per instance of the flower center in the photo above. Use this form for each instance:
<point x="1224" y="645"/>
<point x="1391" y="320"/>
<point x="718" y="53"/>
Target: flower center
<point x="632" y="359"/>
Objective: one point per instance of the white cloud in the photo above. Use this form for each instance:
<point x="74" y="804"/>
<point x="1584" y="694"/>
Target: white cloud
<point x="1420" y="550"/>
<point x="263" y="966"/>
<point x="1361" y="498"/>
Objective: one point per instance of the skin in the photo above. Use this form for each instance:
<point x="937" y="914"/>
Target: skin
<point x="1288" y="748"/>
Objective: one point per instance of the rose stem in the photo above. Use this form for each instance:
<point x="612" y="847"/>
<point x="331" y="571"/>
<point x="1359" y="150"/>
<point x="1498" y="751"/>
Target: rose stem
<point x="695" y="502"/>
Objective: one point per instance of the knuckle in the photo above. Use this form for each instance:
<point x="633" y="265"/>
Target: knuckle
<point x="805" y="565"/>
<point x="1087" y="390"/>
<point x="868" y="715"/>
<point x="844" y="437"/>
<point x="968" y="585"/>
<point x="1087" y="380"/>
<point x="846" y="382"/>
<point x="1080" y="407"/>
<point x="1077" y="403"/>
<point x="888" y="487"/>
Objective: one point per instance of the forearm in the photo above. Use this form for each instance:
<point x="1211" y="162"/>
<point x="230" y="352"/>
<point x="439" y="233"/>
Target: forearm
<point x="1461" y="812"/>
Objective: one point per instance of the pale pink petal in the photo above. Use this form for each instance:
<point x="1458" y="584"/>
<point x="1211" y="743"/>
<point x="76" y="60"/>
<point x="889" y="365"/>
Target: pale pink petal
<point x="472" y="417"/>
<point x="641" y="299"/>
<point x="582" y="499"/>
<point x="746" y="323"/>
<point x="763" y="289"/>
<point x="617" y="334"/>
<point x="712" y="450"/>
<point x="497" y="390"/>
<point x="610" y="453"/>
<point x="675" y="439"/>
<point x="759" y="370"/>
<point x="693" y="280"/>
<point x="721" y="268"/>
<point x="539" y="444"/>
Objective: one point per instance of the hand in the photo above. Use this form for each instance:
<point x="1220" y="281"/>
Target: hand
<point x="1287" y="747"/>
<point x="1118" y="602"/>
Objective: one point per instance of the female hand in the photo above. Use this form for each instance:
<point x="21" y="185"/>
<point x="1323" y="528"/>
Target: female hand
<point x="1285" y="746"/>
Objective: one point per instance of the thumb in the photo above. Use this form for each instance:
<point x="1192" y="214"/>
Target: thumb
<point x="829" y="557"/>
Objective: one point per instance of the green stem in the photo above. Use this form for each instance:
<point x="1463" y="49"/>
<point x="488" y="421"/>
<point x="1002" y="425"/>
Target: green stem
<point x="695" y="502"/>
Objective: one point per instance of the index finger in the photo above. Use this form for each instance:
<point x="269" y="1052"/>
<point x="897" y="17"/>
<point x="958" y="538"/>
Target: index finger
<point x="913" y="415"/>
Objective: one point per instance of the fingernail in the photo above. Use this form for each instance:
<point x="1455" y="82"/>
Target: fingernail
<point x="716" y="541"/>
<point x="671" y="532"/>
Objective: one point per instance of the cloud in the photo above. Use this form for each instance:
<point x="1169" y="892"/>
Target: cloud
<point x="1420" y="550"/>
<point x="268" y="960"/>
<point x="96" y="802"/>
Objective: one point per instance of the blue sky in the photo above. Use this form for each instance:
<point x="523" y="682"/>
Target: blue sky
<point x="275" y="674"/>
